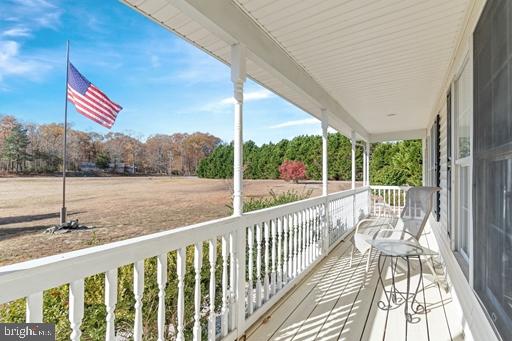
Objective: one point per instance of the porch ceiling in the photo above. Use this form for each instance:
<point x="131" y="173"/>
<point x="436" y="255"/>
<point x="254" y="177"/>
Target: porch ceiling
<point x="362" y="60"/>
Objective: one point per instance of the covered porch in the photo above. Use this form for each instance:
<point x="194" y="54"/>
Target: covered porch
<point x="374" y="71"/>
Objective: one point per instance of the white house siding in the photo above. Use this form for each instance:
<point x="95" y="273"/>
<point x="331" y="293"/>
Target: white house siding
<point x="473" y="318"/>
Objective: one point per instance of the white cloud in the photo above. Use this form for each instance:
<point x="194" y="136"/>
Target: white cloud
<point x="249" y="96"/>
<point x="223" y="104"/>
<point x="33" y="13"/>
<point x="20" y="18"/>
<point x="16" y="32"/>
<point x="293" y="123"/>
<point x="12" y="64"/>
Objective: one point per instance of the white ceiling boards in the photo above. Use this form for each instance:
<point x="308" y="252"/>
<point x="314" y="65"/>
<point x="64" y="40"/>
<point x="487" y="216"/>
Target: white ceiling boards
<point x="376" y="66"/>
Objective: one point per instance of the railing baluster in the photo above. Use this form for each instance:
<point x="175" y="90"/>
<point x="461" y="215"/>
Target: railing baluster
<point x="258" y="265"/>
<point x="279" y="253"/>
<point x="76" y="308"/>
<point x="285" y="249"/>
<point x="332" y="216"/>
<point x="380" y="206"/>
<point x="273" y="279"/>
<point x="212" y="255"/>
<point x="250" y="268"/>
<point x="161" y="277"/>
<point x="318" y="222"/>
<point x="224" y="308"/>
<point x="296" y="245"/>
<point x="304" y="238"/>
<point x="34" y="308"/>
<point x="394" y="201"/>
<point x="309" y="250"/>
<point x="232" y="281"/>
<point x="291" y="243"/>
<point x="334" y="221"/>
<point x="180" y="269"/>
<point x="198" y="257"/>
<point x="329" y="215"/>
<point x="375" y="201"/>
<point x="302" y="244"/>
<point x="386" y="199"/>
<point x="110" y="303"/>
<point x="266" y="285"/>
<point x="138" y="290"/>
<point x="312" y="218"/>
<point x="315" y="233"/>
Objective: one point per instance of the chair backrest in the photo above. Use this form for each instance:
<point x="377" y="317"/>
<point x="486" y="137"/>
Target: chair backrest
<point x="418" y="205"/>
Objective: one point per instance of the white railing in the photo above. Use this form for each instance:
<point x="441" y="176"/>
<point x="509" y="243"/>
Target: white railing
<point x="262" y="254"/>
<point x="387" y="200"/>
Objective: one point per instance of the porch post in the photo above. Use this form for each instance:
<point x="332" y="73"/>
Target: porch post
<point x="238" y="74"/>
<point x="325" y="174"/>
<point x="423" y="163"/>
<point x="368" y="146"/>
<point x="365" y="154"/>
<point x="237" y="296"/>
<point x="353" y="138"/>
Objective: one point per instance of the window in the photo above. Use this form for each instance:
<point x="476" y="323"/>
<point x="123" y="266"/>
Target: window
<point x="492" y="162"/>
<point x="463" y="116"/>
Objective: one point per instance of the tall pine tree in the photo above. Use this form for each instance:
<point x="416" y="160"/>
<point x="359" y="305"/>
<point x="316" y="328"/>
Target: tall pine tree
<point x="15" y="147"/>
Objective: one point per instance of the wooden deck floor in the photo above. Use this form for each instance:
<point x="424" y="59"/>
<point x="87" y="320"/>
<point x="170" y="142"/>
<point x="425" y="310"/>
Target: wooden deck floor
<point x="338" y="302"/>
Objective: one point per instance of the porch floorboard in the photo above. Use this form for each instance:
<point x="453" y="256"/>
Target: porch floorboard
<point x="339" y="302"/>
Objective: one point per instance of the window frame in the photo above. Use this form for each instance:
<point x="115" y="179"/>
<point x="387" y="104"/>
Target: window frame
<point x="464" y="258"/>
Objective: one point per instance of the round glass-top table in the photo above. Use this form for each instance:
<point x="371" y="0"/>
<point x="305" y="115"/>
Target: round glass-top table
<point x="400" y="249"/>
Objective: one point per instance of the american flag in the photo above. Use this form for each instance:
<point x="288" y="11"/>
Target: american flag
<point x="89" y="100"/>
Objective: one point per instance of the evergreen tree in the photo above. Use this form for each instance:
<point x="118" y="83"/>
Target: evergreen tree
<point x="390" y="163"/>
<point x="15" y="147"/>
<point x="102" y="160"/>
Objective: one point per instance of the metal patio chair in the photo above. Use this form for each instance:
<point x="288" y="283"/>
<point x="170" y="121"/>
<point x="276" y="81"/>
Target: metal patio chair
<point x="409" y="226"/>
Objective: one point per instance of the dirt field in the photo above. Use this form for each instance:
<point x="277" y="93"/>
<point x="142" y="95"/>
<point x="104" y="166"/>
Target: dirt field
<point x="118" y="208"/>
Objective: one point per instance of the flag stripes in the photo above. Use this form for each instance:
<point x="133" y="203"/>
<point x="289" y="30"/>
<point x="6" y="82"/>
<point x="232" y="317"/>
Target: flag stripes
<point x="92" y="104"/>
<point x="89" y="100"/>
<point x="88" y="110"/>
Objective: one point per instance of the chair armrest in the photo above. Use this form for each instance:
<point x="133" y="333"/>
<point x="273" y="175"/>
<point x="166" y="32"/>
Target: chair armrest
<point x="370" y="219"/>
<point x="394" y="230"/>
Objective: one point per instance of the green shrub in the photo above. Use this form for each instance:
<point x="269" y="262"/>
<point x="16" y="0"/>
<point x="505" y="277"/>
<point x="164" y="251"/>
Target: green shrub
<point x="254" y="204"/>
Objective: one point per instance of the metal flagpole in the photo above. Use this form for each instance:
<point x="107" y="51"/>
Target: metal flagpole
<point x="63" y="217"/>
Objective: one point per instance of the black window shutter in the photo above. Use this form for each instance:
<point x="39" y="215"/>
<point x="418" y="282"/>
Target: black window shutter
<point x="438" y="167"/>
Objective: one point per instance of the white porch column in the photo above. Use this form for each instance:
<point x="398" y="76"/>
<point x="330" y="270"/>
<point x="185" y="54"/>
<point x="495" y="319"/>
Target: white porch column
<point x="353" y="138"/>
<point x="423" y="163"/>
<point x="325" y="173"/>
<point x="237" y="239"/>
<point x="238" y="74"/>
<point x="325" y="187"/>
<point x="368" y="145"/>
<point x="365" y="154"/>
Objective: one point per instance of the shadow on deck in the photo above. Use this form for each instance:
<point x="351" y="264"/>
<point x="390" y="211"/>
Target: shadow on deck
<point x="339" y="302"/>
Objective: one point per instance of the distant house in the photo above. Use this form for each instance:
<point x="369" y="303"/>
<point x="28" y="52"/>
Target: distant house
<point x="119" y="168"/>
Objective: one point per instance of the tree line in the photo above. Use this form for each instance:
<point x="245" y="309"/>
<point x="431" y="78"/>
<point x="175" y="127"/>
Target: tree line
<point x="37" y="148"/>
<point x="397" y="163"/>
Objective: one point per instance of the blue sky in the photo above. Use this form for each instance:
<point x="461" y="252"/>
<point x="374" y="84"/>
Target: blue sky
<point x="164" y="84"/>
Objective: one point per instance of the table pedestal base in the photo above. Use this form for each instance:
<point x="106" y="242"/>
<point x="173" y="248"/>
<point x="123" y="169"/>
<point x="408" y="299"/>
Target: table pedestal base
<point x="394" y="297"/>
